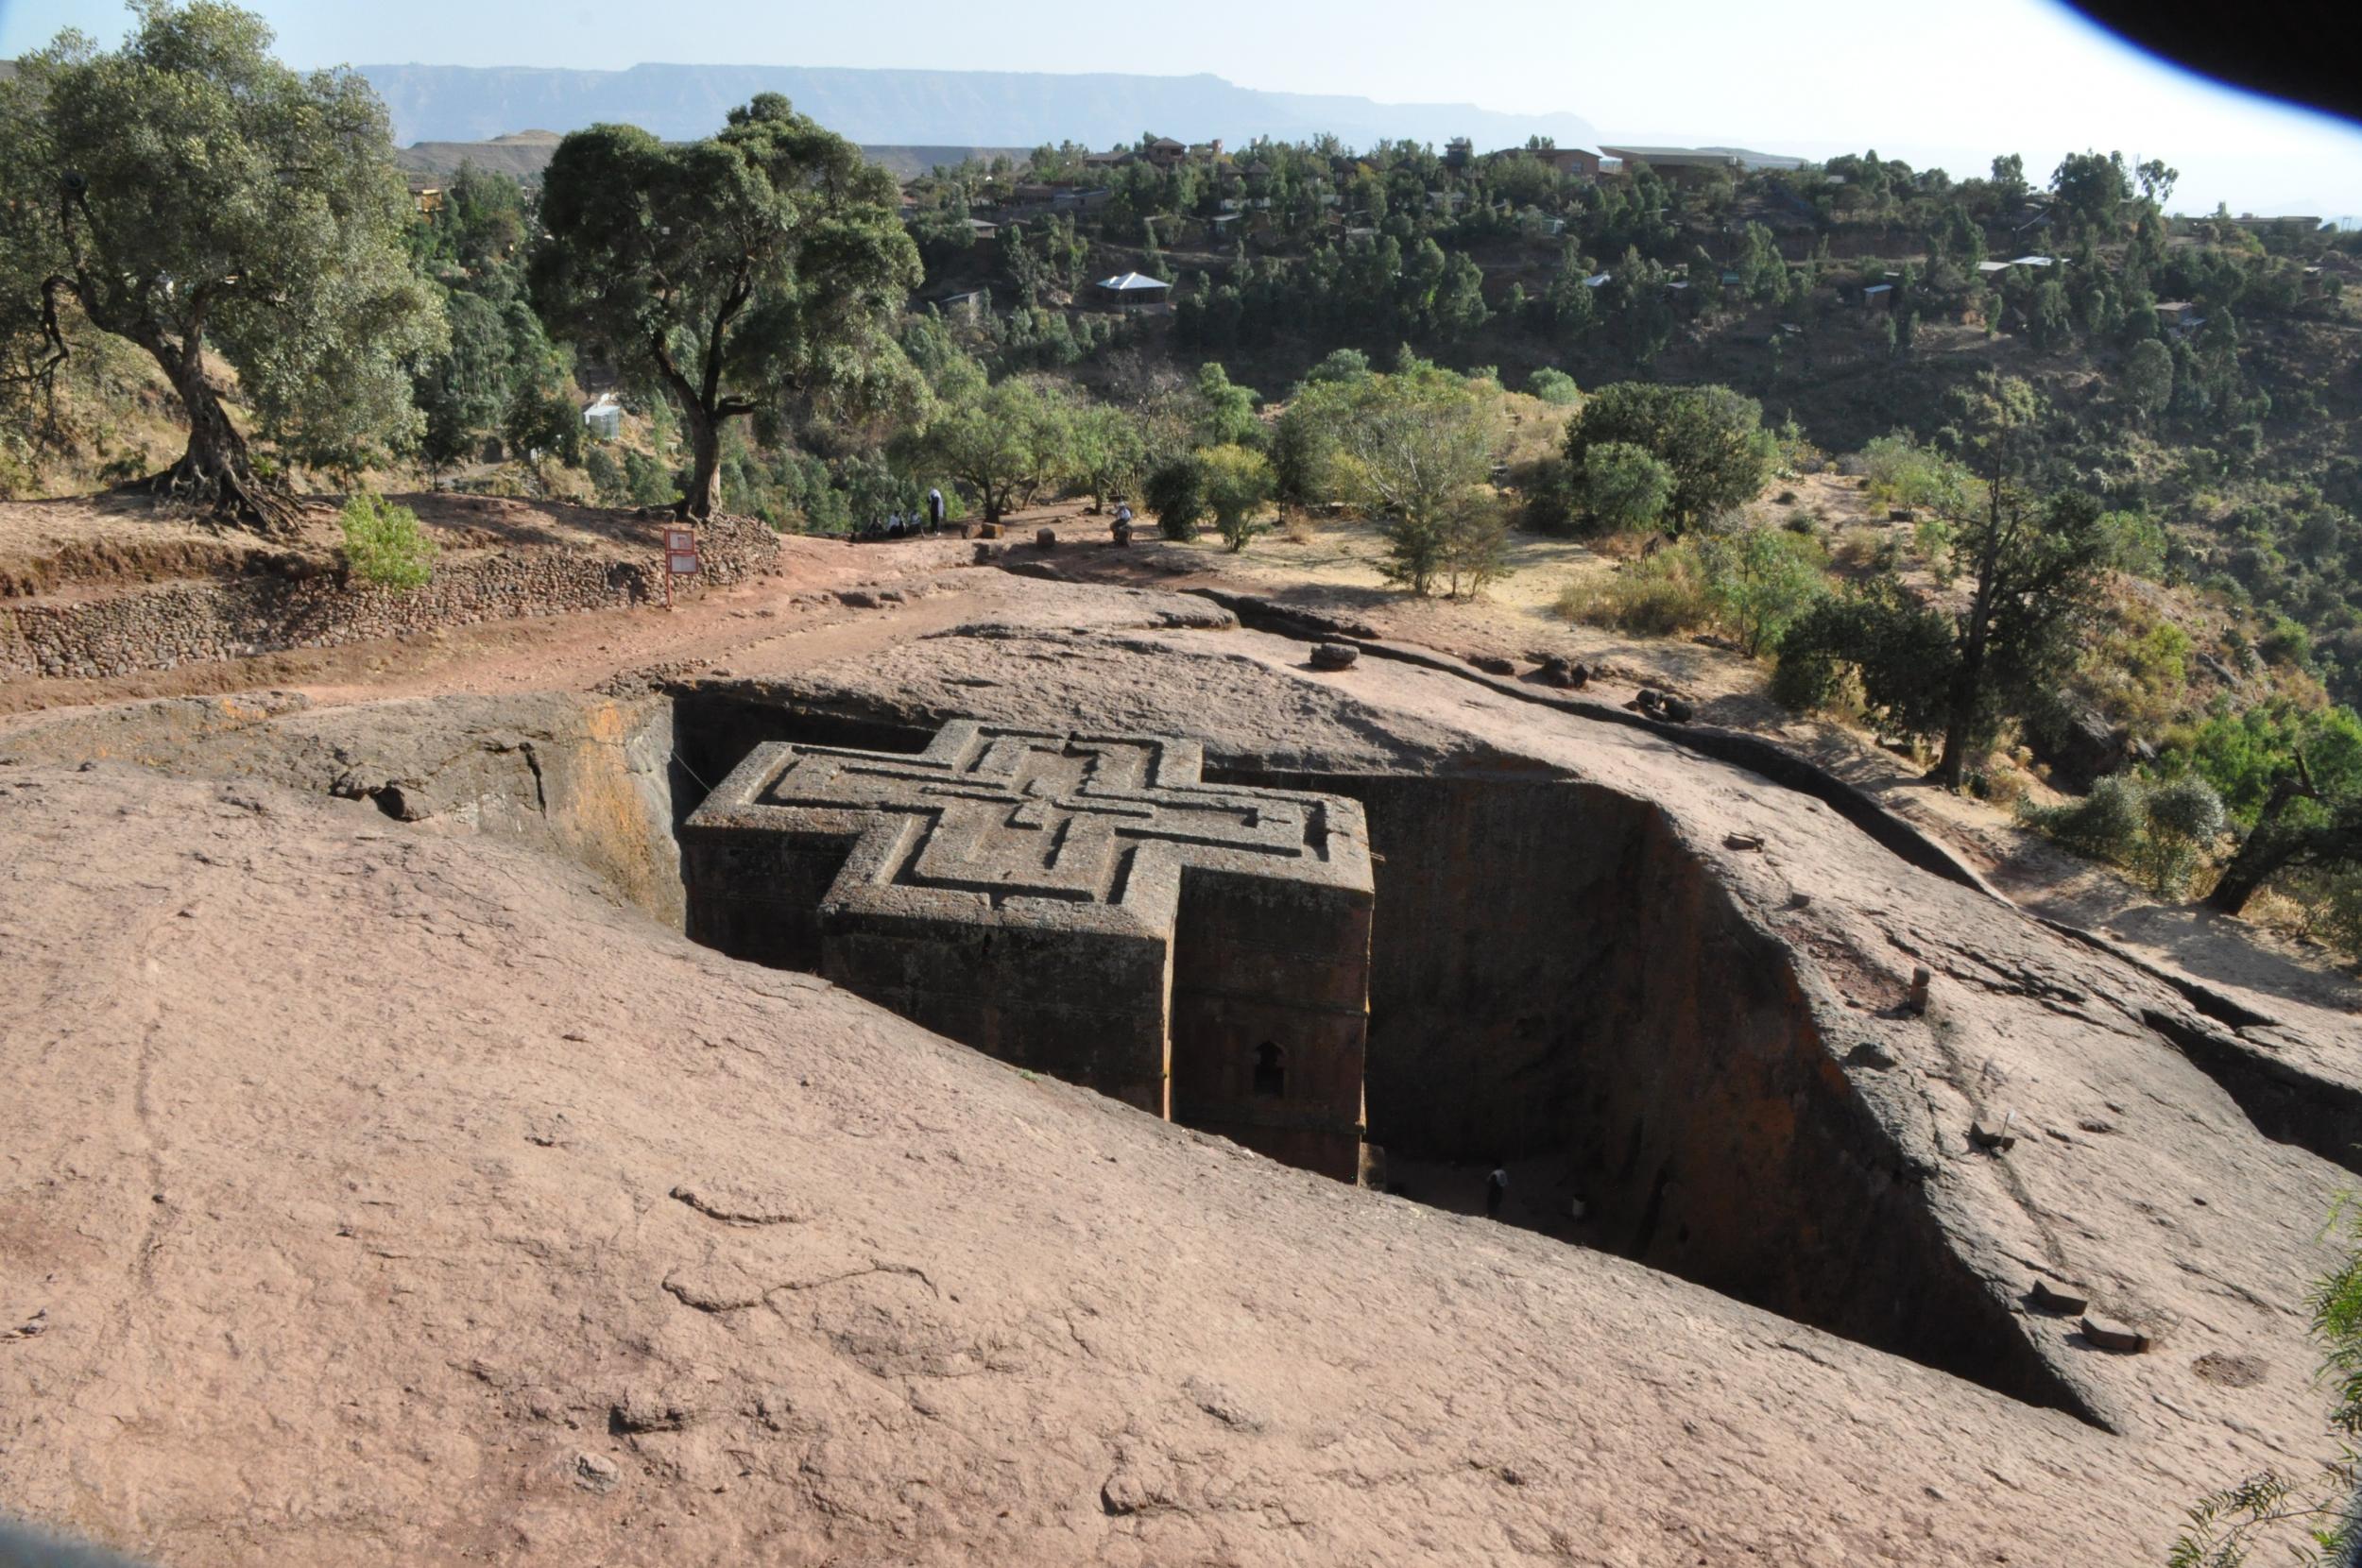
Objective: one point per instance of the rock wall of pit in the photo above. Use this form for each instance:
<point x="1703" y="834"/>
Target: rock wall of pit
<point x="1555" y="973"/>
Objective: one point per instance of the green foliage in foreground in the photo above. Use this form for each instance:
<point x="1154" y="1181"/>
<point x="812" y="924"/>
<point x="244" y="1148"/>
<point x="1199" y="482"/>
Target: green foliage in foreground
<point x="385" y="546"/>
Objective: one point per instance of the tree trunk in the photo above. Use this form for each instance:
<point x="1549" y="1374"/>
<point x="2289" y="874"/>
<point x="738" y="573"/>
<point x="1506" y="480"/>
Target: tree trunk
<point x="217" y="470"/>
<point x="1952" y="767"/>
<point x="703" y="498"/>
<point x="2264" y="850"/>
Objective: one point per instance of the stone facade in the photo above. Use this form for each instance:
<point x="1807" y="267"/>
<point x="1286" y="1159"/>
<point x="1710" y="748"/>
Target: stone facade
<point x="205" y="620"/>
<point x="1083" y="905"/>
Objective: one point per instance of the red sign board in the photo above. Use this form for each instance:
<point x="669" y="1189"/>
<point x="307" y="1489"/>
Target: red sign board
<point x="679" y="539"/>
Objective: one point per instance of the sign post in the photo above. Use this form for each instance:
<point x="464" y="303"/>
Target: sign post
<point x="680" y="558"/>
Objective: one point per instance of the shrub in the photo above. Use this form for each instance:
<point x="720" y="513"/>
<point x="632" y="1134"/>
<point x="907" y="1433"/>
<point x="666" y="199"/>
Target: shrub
<point x="1901" y="472"/>
<point x="1476" y="545"/>
<point x="2105" y="825"/>
<point x="383" y="543"/>
<point x="1237" y="485"/>
<point x="1624" y="486"/>
<point x="1932" y="538"/>
<point x="1902" y="653"/>
<point x="1175" y="492"/>
<point x="1656" y="596"/>
<point x="1761" y="580"/>
<point x="1710" y="438"/>
<point x="1861" y="545"/>
<point x="2183" y="820"/>
<point x="2163" y="832"/>
<point x="1554" y="386"/>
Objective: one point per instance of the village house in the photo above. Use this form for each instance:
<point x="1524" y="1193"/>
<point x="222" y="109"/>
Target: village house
<point x="1579" y="162"/>
<point x="603" y="419"/>
<point x="1696" y="165"/>
<point x="2179" y="316"/>
<point x="1164" y="151"/>
<point x="1132" y="292"/>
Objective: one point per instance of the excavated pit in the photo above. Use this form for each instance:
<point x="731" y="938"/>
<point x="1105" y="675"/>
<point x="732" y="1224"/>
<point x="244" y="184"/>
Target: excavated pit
<point x="1561" y="985"/>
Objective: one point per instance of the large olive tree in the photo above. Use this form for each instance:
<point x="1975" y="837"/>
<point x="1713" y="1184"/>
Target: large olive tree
<point x="190" y="194"/>
<point x="747" y="275"/>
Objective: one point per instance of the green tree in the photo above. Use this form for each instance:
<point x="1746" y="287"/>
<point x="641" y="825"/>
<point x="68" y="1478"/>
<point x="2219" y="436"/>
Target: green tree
<point x="1236" y="485"/>
<point x="465" y="390"/>
<point x="2033" y="572"/>
<point x="188" y="193"/>
<point x="1176" y="493"/>
<point x="2008" y="175"/>
<point x="1711" y="439"/>
<point x="1111" y="453"/>
<point x="2090" y="192"/>
<point x="2148" y="377"/>
<point x="1902" y="651"/>
<point x="1225" y="413"/>
<point x="1005" y="441"/>
<point x="1414" y="450"/>
<point x="754" y="270"/>
<point x="1762" y="581"/>
<point x="1626" y="488"/>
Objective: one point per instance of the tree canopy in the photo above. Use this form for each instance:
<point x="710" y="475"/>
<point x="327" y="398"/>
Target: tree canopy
<point x="754" y="274"/>
<point x="1711" y="439"/>
<point x="188" y="193"/>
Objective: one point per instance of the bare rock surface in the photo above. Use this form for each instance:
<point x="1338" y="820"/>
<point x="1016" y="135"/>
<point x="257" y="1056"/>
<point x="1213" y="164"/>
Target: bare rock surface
<point x="389" y="1187"/>
<point x="2137" y="1171"/>
<point x="396" y="1199"/>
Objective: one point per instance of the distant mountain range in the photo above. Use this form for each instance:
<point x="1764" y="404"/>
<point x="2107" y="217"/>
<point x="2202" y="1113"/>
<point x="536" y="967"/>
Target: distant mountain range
<point x="954" y="110"/>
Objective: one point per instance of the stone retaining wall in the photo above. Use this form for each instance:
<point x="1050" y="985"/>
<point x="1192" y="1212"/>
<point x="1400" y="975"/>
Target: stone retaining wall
<point x="205" y="621"/>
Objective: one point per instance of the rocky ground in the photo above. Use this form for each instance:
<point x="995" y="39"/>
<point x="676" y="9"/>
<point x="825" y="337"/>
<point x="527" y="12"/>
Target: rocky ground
<point x="385" y="1179"/>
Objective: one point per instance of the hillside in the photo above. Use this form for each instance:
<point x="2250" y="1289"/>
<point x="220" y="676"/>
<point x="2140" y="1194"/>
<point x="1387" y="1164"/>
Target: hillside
<point x="454" y="103"/>
<point x="526" y="153"/>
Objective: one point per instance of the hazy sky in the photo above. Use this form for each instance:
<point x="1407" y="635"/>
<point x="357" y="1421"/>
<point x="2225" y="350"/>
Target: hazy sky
<point x="1949" y="85"/>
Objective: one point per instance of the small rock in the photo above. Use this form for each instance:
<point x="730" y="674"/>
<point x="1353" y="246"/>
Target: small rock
<point x="1990" y="1139"/>
<point x="1045" y="539"/>
<point x="1920" y="978"/>
<point x="2052" y="1298"/>
<point x="1743" y="841"/>
<point x="647" y="1410"/>
<point x="1675" y="710"/>
<point x="1493" y="664"/>
<point x="2112" y="1335"/>
<point x="596" y="1473"/>
<point x="1334" y="656"/>
<point x="983" y="551"/>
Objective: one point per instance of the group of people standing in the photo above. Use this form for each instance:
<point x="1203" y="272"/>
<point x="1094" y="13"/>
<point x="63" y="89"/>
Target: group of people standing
<point x="913" y="525"/>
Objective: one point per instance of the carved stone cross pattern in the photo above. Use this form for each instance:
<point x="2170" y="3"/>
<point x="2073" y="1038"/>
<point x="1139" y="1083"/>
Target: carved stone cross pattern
<point x="1011" y="813"/>
<point x="1083" y="903"/>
